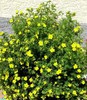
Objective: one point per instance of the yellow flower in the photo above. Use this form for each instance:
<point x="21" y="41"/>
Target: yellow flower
<point x="5" y="44"/>
<point x="50" y="36"/>
<point x="83" y="91"/>
<point x="28" y="23"/>
<point x="63" y="93"/>
<point x="3" y="50"/>
<point x="11" y="65"/>
<point x="0" y="40"/>
<point x="63" y="45"/>
<point x="76" y="29"/>
<point x="44" y="25"/>
<point x="0" y="58"/>
<point x="83" y="82"/>
<point x="55" y="64"/>
<point x="57" y="97"/>
<point x="31" y="79"/>
<point x="16" y="74"/>
<point x="4" y="92"/>
<point x="59" y="77"/>
<point x="37" y="88"/>
<point x="27" y="31"/>
<point x="78" y="45"/>
<point x="22" y="94"/>
<point x="6" y="75"/>
<point x="14" y="95"/>
<point x="79" y="70"/>
<point x="25" y="78"/>
<point x="52" y="50"/>
<point x="38" y="24"/>
<point x="74" y="49"/>
<point x="26" y="85"/>
<point x="16" y="11"/>
<point x="26" y="48"/>
<point x="55" y="82"/>
<point x="69" y="85"/>
<point x="30" y="94"/>
<point x="50" y="91"/>
<point x="48" y="69"/>
<point x="41" y="70"/>
<point x="20" y="33"/>
<point x="75" y="66"/>
<point x="74" y="92"/>
<point x="35" y="17"/>
<point x="11" y="20"/>
<point x="78" y="76"/>
<point x="32" y="85"/>
<point x="75" y="46"/>
<point x="59" y="71"/>
<point x="40" y="43"/>
<point x="36" y="68"/>
<point x="21" y="63"/>
<point x="28" y="53"/>
<point x="17" y="41"/>
<point x="17" y="78"/>
<point x="27" y="64"/>
<point x="11" y="42"/>
<point x="28" y="19"/>
<point x="44" y="82"/>
<point x="1" y="33"/>
<point x="45" y="56"/>
<point x="14" y="81"/>
<point x="10" y="59"/>
<point x="43" y="66"/>
<point x="34" y="92"/>
<point x="68" y="94"/>
<point x="18" y="20"/>
<point x="21" y="12"/>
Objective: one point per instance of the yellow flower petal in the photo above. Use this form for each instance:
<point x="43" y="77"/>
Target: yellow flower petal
<point x="49" y="69"/>
<point x="52" y="50"/>
<point x="59" y="71"/>
<point x="83" y="82"/>
<point x="28" y="53"/>
<point x="50" y="36"/>
<point x="11" y="65"/>
<point x="10" y="59"/>
<point x="1" y="33"/>
<point x="75" y="66"/>
<point x="74" y="93"/>
<point x="45" y="56"/>
<point x="79" y="70"/>
<point x="36" y="68"/>
<point x="40" y="43"/>
<point x="76" y="29"/>
<point x="78" y="76"/>
<point x="63" y="45"/>
<point x="11" y="20"/>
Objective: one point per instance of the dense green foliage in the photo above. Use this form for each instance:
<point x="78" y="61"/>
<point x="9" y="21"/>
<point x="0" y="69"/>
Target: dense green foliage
<point x="44" y="58"/>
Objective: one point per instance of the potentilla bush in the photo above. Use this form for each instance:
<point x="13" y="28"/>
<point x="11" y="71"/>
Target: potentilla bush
<point x="43" y="59"/>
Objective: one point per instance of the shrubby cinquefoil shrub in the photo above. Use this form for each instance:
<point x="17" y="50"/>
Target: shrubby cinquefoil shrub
<point x="44" y="58"/>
